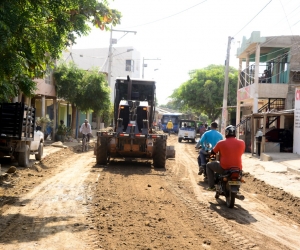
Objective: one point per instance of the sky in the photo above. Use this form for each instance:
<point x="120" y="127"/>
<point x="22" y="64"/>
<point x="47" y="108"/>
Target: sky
<point x="192" y="34"/>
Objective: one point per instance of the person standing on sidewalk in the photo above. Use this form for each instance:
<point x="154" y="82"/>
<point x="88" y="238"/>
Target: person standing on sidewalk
<point x="231" y="151"/>
<point x="86" y="130"/>
<point x="169" y="126"/>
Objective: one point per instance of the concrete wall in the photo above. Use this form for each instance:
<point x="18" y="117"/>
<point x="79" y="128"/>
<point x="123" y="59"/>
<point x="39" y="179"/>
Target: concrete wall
<point x="296" y="147"/>
<point x="98" y="58"/>
<point x="269" y="90"/>
<point x="44" y="88"/>
<point x="272" y="90"/>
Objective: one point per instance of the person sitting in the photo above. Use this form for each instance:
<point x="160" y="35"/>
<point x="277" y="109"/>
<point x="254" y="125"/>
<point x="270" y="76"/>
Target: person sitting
<point x="230" y="151"/>
<point x="264" y="77"/>
<point x="210" y="137"/>
<point x="86" y="130"/>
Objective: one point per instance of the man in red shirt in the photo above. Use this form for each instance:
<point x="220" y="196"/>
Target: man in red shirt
<point x="230" y="151"/>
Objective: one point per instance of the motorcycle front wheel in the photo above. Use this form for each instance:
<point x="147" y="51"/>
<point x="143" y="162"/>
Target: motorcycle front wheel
<point x="230" y="199"/>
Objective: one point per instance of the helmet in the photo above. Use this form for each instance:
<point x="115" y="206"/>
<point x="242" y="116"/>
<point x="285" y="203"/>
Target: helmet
<point x="230" y="131"/>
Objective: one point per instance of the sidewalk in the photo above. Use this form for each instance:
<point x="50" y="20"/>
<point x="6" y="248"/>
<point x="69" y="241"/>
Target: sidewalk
<point x="52" y="147"/>
<point x="289" y="160"/>
<point x="282" y="170"/>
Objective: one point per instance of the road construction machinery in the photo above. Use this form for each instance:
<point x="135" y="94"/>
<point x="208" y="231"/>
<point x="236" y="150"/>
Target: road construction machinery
<point x="132" y="136"/>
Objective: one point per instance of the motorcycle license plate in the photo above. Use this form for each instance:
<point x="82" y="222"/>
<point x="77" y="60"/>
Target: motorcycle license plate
<point x="234" y="182"/>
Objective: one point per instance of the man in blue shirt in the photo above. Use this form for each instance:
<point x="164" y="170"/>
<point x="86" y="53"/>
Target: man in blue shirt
<point x="210" y="137"/>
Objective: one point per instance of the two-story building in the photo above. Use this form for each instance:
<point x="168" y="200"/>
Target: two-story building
<point x="124" y="61"/>
<point x="269" y="72"/>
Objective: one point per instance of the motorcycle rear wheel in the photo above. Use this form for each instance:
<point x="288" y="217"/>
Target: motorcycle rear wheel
<point x="230" y="199"/>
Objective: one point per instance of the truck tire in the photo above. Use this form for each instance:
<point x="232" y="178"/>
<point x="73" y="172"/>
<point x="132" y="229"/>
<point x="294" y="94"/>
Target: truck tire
<point x="23" y="158"/>
<point x="101" y="156"/>
<point x="159" y="156"/>
<point x="39" y="155"/>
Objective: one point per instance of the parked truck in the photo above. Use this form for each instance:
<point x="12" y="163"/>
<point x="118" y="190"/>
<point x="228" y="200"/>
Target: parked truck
<point x="132" y="135"/>
<point x="18" y="135"/>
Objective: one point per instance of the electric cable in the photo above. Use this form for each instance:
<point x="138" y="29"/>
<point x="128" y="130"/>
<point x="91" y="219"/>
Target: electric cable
<point x="254" y="17"/>
<point x="169" y="16"/>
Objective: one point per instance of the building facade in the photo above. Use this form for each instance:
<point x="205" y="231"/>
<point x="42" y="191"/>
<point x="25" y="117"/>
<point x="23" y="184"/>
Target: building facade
<point x="124" y="61"/>
<point x="269" y="72"/>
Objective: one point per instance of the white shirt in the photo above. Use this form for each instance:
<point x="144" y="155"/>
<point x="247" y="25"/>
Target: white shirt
<point x="85" y="129"/>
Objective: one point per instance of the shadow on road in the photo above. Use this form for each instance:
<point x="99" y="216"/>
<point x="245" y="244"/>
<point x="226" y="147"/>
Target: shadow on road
<point x="22" y="231"/>
<point x="238" y="213"/>
<point x="128" y="168"/>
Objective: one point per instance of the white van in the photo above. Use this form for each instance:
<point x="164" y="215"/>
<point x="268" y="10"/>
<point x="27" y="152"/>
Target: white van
<point x="187" y="130"/>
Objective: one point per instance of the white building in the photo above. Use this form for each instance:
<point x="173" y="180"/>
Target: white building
<point x="125" y="61"/>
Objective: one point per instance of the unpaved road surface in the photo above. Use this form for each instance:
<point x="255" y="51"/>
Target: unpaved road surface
<point x="66" y="201"/>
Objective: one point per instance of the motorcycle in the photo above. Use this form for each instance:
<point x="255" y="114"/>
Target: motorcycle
<point x="208" y="157"/>
<point x="228" y="185"/>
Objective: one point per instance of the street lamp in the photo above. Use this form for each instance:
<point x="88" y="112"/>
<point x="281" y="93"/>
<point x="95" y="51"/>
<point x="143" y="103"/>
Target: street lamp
<point x="145" y="65"/>
<point x="128" y="50"/>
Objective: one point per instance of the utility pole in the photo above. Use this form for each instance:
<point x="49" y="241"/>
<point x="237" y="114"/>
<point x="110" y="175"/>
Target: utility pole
<point x="110" y="63"/>
<point x="144" y="65"/>
<point x="109" y="60"/>
<point x="110" y="55"/>
<point x="224" y="109"/>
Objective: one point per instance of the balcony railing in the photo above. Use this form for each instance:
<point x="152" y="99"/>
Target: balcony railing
<point x="275" y="72"/>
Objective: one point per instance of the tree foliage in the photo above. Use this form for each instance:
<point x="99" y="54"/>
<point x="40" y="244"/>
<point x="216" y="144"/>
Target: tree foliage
<point x="86" y="90"/>
<point x="203" y="92"/>
<point x="33" y="33"/>
<point x="94" y="93"/>
<point x="68" y="79"/>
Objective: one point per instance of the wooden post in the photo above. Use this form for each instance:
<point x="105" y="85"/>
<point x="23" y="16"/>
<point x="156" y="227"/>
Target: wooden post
<point x="263" y="141"/>
<point x="252" y="136"/>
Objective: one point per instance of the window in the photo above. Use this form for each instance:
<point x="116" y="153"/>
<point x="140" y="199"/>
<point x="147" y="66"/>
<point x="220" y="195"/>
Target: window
<point x="48" y="75"/>
<point x="129" y="65"/>
<point x="296" y="76"/>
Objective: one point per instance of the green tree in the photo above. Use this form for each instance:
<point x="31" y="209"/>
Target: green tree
<point x="172" y="103"/>
<point x="94" y="93"/>
<point x="203" y="92"/>
<point x="33" y="33"/>
<point x="69" y="81"/>
<point x="86" y="90"/>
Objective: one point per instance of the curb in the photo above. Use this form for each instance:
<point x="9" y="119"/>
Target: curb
<point x="295" y="171"/>
<point x="265" y="157"/>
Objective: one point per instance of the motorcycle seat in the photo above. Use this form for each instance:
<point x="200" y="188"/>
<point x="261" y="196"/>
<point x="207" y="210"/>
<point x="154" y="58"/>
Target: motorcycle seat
<point x="230" y="171"/>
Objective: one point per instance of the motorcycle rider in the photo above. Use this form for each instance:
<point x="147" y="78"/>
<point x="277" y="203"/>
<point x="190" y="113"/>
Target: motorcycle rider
<point x="230" y="151"/>
<point x="210" y="137"/>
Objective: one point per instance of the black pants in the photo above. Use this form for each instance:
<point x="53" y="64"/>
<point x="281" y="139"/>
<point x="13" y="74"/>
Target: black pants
<point x="87" y="136"/>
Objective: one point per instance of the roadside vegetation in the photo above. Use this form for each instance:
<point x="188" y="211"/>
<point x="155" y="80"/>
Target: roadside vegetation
<point x="77" y="87"/>
<point x="202" y="94"/>
<point x="33" y="34"/>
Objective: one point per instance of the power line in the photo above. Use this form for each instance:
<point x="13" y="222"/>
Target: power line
<point x="254" y="17"/>
<point x="286" y="16"/>
<point x="275" y="25"/>
<point x="170" y="15"/>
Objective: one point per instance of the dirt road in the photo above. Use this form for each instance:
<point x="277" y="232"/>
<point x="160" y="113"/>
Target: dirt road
<point x="69" y="202"/>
